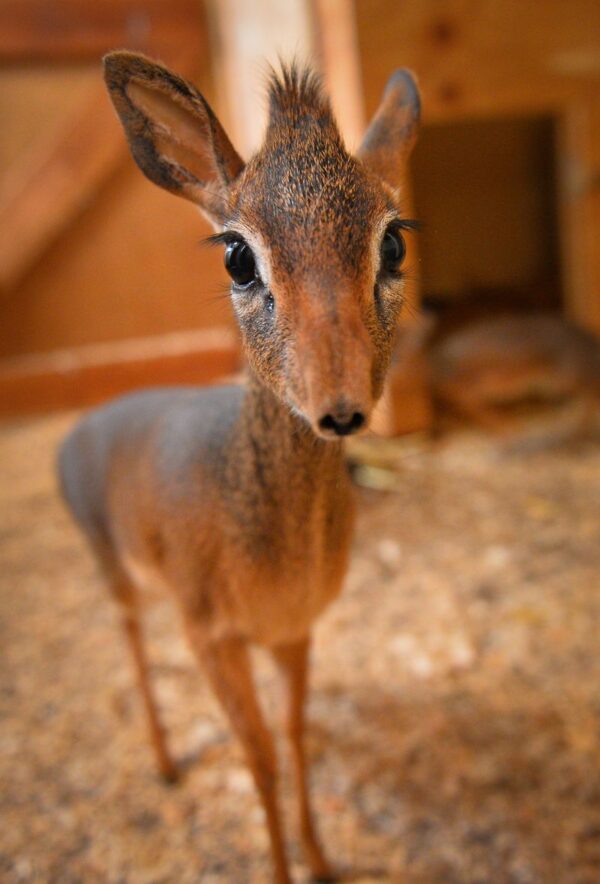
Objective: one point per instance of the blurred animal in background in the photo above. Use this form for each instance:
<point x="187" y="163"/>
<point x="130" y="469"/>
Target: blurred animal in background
<point x="503" y="372"/>
<point x="237" y="498"/>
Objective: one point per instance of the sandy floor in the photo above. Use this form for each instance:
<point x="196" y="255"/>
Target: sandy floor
<point x="455" y="717"/>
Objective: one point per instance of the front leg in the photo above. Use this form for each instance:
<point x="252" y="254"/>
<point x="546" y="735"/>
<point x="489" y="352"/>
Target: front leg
<point x="227" y="664"/>
<point x="293" y="662"/>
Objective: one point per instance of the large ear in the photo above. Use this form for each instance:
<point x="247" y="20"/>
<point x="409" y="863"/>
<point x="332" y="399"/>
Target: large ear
<point x="174" y="136"/>
<point x="393" y="131"/>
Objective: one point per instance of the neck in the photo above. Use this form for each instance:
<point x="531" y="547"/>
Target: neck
<point x="290" y="488"/>
<point x="280" y="433"/>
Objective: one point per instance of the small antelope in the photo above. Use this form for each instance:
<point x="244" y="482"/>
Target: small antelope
<point x="237" y="497"/>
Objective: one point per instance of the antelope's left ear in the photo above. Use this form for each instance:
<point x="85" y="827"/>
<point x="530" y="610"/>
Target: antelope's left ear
<point x="173" y="134"/>
<point x="393" y="130"/>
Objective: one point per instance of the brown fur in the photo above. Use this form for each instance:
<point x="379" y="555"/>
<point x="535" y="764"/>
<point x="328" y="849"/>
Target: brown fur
<point x="232" y="497"/>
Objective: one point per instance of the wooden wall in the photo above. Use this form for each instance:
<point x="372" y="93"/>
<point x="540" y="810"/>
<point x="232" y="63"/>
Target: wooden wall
<point x="93" y="253"/>
<point x="131" y="264"/>
<point x="486" y="192"/>
<point x="493" y="61"/>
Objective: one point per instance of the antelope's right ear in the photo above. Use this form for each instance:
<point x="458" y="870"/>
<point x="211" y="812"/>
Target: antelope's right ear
<point x="174" y="136"/>
<point x="393" y="131"/>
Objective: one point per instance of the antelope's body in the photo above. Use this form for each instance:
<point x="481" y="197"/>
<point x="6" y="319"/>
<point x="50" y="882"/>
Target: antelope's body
<point x="243" y="463"/>
<point x="236" y="499"/>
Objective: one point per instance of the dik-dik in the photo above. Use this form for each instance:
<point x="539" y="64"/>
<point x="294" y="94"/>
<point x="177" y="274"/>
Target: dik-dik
<point x="237" y="498"/>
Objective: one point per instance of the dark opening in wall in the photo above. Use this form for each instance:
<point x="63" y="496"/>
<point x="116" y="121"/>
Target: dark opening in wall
<point x="486" y="194"/>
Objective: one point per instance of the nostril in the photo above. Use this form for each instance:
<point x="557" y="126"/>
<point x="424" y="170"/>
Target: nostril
<point x="358" y="420"/>
<point x="327" y="422"/>
<point x="342" y="424"/>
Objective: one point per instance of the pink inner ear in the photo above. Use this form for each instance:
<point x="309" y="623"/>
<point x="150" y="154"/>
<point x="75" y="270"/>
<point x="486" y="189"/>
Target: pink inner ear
<point x="179" y="135"/>
<point x="186" y="127"/>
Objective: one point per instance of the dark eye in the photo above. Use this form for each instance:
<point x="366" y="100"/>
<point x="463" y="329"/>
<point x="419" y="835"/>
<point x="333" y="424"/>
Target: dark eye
<point x="393" y="250"/>
<point x="240" y="264"/>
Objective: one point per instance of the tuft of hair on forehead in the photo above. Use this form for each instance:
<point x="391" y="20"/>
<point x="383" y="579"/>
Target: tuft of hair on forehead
<point x="296" y="92"/>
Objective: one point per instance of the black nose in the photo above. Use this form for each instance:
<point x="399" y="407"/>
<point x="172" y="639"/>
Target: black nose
<point x="342" y="423"/>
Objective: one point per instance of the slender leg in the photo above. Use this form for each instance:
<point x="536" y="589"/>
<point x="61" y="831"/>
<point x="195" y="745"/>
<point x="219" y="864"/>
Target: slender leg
<point x="227" y="665"/>
<point x="166" y="765"/>
<point x="293" y="663"/>
<point x="125" y="594"/>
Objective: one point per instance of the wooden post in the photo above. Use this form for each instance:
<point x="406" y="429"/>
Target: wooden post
<point x="579" y="197"/>
<point x="335" y="27"/>
<point x="248" y="36"/>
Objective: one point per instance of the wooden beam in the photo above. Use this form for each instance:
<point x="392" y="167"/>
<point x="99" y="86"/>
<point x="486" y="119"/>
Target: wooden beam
<point x="76" y="378"/>
<point x="53" y="182"/>
<point x="75" y="30"/>
<point x="482" y="59"/>
<point x="337" y="39"/>
<point x="46" y="190"/>
<point x="250" y="35"/>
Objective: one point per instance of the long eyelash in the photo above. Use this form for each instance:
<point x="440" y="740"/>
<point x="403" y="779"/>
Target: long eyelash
<point x="408" y="224"/>
<point x="224" y="238"/>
